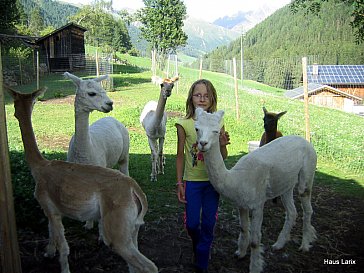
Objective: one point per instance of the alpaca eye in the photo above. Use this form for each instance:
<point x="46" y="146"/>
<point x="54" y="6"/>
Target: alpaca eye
<point x="92" y="94"/>
<point x="196" y="129"/>
<point x="216" y="132"/>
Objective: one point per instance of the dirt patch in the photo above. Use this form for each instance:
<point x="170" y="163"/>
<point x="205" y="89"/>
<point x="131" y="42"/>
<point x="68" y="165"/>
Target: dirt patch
<point x="339" y="223"/>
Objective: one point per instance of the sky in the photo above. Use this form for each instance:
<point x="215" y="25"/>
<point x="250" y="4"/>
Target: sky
<point x="207" y="10"/>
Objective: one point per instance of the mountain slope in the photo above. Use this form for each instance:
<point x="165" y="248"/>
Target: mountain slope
<point x="274" y="48"/>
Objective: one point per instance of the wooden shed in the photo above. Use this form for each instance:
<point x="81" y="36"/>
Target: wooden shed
<point x="325" y="95"/>
<point x="63" y="49"/>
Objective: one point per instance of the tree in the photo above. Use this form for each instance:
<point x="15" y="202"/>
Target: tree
<point x="108" y="32"/>
<point x="357" y="14"/>
<point x="36" y="23"/>
<point x="9" y="16"/>
<point x="162" y="22"/>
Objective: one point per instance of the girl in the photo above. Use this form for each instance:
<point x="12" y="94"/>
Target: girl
<point x="194" y="189"/>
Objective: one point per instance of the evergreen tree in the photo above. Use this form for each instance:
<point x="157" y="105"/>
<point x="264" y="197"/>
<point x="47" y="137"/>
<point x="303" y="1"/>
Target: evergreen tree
<point x="9" y="16"/>
<point x="357" y="12"/>
<point x="109" y="32"/>
<point x="36" y="23"/>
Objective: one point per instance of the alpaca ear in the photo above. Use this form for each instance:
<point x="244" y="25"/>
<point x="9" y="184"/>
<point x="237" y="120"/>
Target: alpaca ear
<point x="40" y="92"/>
<point x="76" y="80"/>
<point x="175" y="79"/>
<point x="12" y="92"/>
<point x="281" y="114"/>
<point x="101" y="78"/>
<point x="265" y="110"/>
<point x="220" y="114"/>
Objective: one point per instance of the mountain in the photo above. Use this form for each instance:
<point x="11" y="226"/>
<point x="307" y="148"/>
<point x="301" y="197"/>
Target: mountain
<point x="203" y="37"/>
<point x="279" y="42"/>
<point x="245" y="20"/>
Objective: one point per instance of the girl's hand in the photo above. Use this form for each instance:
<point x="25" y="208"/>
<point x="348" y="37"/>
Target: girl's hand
<point x="181" y="193"/>
<point x="224" y="139"/>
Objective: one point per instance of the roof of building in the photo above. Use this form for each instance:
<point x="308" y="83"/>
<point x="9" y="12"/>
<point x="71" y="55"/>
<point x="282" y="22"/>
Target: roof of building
<point x="60" y="29"/>
<point x="314" y="88"/>
<point x="336" y="74"/>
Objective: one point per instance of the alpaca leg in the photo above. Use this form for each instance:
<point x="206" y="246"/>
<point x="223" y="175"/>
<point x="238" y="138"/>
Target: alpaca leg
<point x="124" y="159"/>
<point x="308" y="231"/>
<point x="291" y="215"/>
<point x="161" y="159"/>
<point x="244" y="235"/>
<point x="256" y="258"/>
<point x="154" y="154"/>
<point x="124" y="166"/>
<point x="57" y="230"/>
<point x="121" y="235"/>
<point x="51" y="247"/>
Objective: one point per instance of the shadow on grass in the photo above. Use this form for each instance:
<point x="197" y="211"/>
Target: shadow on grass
<point x="161" y="194"/>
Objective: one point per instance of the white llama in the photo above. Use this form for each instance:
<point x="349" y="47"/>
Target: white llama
<point x="154" y="119"/>
<point x="105" y="143"/>
<point x="270" y="171"/>
<point x="83" y="192"/>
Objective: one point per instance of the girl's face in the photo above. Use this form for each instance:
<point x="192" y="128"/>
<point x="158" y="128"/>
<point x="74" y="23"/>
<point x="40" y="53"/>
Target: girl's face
<point x="200" y="97"/>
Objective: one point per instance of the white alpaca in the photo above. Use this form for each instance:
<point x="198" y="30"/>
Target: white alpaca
<point x="154" y="119"/>
<point x="106" y="142"/>
<point x="84" y="192"/>
<point x="270" y="171"/>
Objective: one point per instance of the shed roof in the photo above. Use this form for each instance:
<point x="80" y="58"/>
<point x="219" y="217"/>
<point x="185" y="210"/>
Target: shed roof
<point x="60" y="29"/>
<point x="336" y="74"/>
<point x="314" y="88"/>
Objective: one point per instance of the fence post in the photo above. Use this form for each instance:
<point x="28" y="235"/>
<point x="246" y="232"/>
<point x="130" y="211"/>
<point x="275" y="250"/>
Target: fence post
<point x="37" y="69"/>
<point x="200" y="74"/>
<point x="9" y="249"/>
<point x="236" y="89"/>
<point x="305" y="98"/>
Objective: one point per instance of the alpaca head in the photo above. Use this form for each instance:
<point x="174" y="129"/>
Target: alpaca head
<point x="23" y="103"/>
<point x="90" y="95"/>
<point x="207" y="127"/>
<point x="167" y="86"/>
<point x="271" y="120"/>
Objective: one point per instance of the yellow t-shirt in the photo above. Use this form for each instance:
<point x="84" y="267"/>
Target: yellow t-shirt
<point x="194" y="166"/>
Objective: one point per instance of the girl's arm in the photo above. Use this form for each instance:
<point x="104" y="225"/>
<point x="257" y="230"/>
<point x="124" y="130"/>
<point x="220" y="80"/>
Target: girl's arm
<point x="181" y="138"/>
<point x="224" y="140"/>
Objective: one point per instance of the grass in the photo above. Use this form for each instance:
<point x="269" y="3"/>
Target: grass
<point x="336" y="136"/>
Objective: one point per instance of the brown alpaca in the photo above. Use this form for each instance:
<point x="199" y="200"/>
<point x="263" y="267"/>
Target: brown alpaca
<point x="83" y="192"/>
<point x="270" y="127"/>
<point x="270" y="131"/>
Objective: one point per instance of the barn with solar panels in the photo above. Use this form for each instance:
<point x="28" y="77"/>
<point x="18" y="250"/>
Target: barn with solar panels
<point x="334" y="86"/>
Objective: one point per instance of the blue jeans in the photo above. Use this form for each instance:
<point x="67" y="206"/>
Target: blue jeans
<point x="201" y="214"/>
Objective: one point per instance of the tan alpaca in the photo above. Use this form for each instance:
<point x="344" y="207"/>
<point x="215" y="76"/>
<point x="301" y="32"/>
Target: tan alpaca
<point x="154" y="119"/>
<point x="84" y="192"/>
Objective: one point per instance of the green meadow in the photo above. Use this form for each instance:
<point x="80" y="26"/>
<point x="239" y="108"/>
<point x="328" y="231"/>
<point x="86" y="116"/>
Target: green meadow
<point x="336" y="136"/>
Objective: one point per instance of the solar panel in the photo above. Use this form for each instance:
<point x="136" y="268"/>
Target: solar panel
<point x="335" y="74"/>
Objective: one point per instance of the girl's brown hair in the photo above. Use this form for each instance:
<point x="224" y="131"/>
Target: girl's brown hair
<point x="211" y="91"/>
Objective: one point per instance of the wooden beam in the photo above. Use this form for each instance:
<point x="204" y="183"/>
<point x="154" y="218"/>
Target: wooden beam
<point x="9" y="249"/>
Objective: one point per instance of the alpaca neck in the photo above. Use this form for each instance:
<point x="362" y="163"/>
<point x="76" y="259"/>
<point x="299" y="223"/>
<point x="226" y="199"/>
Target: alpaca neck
<point x="159" y="112"/>
<point x="270" y="135"/>
<point x="32" y="153"/>
<point x="216" y="168"/>
<point x="82" y="136"/>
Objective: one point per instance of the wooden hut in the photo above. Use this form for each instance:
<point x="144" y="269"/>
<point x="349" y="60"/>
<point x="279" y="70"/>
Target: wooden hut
<point x="63" y="49"/>
<point x="325" y="95"/>
<point x="346" y="78"/>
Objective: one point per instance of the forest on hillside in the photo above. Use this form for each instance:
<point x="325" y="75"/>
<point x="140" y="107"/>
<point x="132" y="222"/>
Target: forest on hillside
<point x="284" y="38"/>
